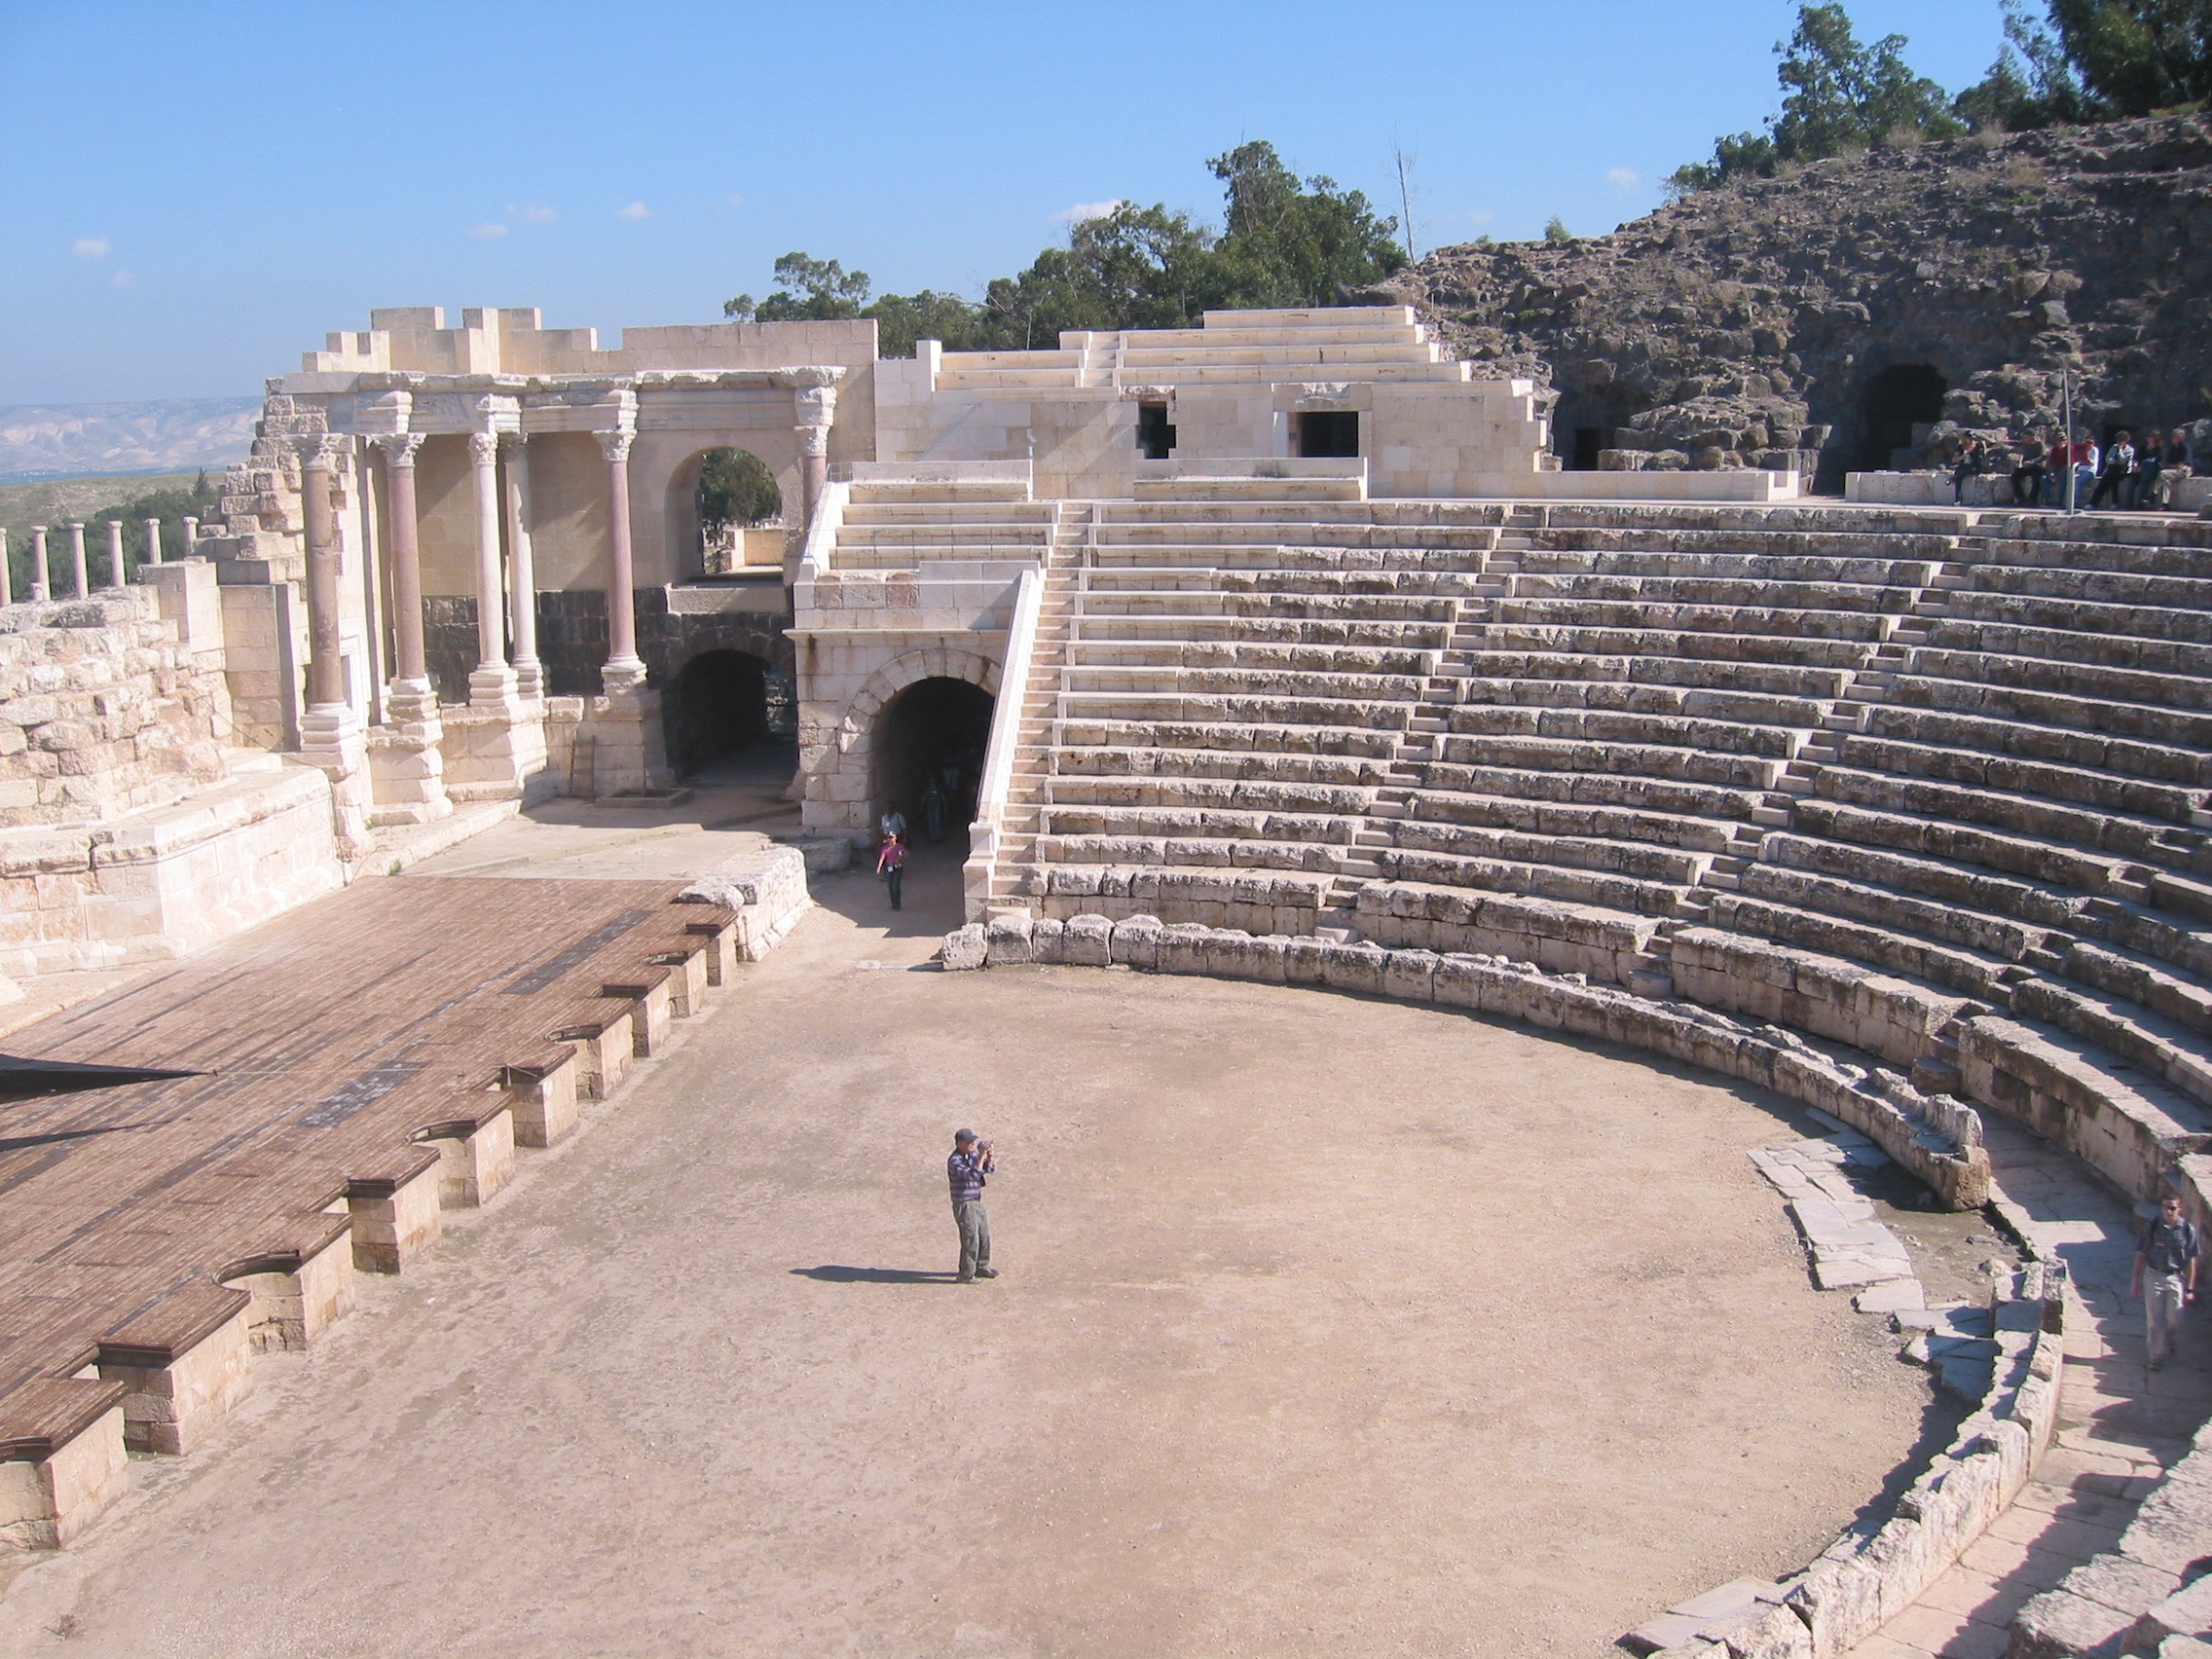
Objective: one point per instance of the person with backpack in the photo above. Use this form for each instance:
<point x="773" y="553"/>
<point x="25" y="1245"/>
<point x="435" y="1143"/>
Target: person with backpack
<point x="2166" y="1279"/>
<point x="890" y="865"/>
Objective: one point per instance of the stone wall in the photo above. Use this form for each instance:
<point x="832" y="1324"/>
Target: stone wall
<point x="103" y="710"/>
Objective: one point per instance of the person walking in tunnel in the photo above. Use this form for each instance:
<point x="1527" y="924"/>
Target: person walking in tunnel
<point x="933" y="812"/>
<point x="890" y="865"/>
<point x="966" y="1168"/>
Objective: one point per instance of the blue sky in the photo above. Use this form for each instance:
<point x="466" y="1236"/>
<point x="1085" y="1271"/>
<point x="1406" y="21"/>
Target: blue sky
<point x="191" y="194"/>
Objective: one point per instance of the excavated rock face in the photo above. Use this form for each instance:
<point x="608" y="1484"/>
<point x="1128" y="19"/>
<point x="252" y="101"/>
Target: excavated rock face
<point x="1865" y="306"/>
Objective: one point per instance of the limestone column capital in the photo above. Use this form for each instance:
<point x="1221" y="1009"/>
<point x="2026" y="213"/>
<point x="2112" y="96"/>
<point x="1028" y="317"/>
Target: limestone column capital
<point x="322" y="449"/>
<point x="399" y="448"/>
<point x="484" y="447"/>
<point x="616" y="446"/>
<point x="514" y="444"/>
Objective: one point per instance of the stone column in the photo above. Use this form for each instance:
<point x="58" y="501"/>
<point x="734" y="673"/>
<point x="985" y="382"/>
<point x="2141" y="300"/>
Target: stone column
<point x="405" y="762"/>
<point x="114" y="552"/>
<point x="521" y="568"/>
<point x="628" y="753"/>
<point x="492" y="684"/>
<point x="191" y="536"/>
<point x="624" y="668"/>
<point x="41" y="585"/>
<point x="153" y="541"/>
<point x="814" y="407"/>
<point x="331" y="735"/>
<point x="77" y="570"/>
<point x="7" y="577"/>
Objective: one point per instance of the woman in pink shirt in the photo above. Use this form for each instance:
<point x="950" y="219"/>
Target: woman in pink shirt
<point x="890" y="865"/>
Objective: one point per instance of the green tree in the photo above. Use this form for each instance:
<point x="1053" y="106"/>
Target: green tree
<point x="736" y="487"/>
<point x="1556" y="231"/>
<point x="2096" y="60"/>
<point x="1284" y="241"/>
<point x="1841" y="96"/>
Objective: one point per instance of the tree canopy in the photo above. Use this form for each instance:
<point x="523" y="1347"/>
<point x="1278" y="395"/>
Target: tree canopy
<point x="2082" y="61"/>
<point x="1283" y="241"/>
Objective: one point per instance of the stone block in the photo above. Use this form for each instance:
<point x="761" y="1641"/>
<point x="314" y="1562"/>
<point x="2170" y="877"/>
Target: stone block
<point x="2058" y="1625"/>
<point x="394" y="1219"/>
<point x="965" y="948"/>
<point x="1135" y="941"/>
<point x="1006" y="939"/>
<point x="1410" y="974"/>
<point x="1086" y="942"/>
<point x="1048" y="940"/>
<point x="171" y="1403"/>
<point x="541" y="1099"/>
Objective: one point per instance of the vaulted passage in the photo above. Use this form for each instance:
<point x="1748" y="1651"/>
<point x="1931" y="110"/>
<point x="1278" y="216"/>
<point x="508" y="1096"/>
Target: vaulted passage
<point x="938" y="729"/>
<point x="1901" y="397"/>
<point x="719" y="706"/>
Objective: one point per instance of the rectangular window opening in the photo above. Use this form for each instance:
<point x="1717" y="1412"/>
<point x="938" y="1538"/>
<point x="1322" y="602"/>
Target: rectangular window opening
<point x="1328" y="432"/>
<point x="1156" y="439"/>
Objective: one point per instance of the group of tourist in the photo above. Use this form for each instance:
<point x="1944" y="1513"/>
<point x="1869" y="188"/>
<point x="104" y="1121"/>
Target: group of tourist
<point x="2119" y="473"/>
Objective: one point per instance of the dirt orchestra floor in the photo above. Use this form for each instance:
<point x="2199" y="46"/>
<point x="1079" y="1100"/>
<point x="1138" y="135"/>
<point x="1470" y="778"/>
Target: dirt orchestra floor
<point x="1326" y="1327"/>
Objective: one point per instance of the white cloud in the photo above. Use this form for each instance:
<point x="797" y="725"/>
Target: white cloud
<point x="634" y="212"/>
<point x="122" y="280"/>
<point x="490" y="231"/>
<point x="537" y="213"/>
<point x="1623" y="179"/>
<point x="92" y="248"/>
<point x="1084" y="210"/>
<point x="733" y="200"/>
<point x="1482" y="216"/>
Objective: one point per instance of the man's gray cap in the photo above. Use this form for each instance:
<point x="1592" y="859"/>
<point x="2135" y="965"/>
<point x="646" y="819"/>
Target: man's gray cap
<point x="963" y="1134"/>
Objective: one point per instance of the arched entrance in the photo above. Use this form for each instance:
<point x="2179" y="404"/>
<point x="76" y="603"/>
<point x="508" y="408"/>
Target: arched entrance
<point x="1898" y="398"/>
<point x="714" y="498"/>
<point x="717" y="706"/>
<point x="936" y="728"/>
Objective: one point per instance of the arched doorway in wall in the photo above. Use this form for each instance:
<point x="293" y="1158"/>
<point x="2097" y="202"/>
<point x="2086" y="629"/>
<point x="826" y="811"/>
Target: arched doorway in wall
<point x="936" y="728"/>
<point x="714" y="498"/>
<point x="730" y="712"/>
<point x="1897" y="398"/>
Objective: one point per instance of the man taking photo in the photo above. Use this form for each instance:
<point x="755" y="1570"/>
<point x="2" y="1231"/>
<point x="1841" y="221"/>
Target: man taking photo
<point x="967" y="1167"/>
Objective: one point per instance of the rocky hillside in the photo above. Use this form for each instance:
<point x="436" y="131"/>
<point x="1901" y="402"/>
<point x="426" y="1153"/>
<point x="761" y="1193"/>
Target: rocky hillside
<point x="70" y="440"/>
<point x="1847" y="310"/>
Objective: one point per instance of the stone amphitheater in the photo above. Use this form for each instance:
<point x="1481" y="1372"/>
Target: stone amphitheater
<point x="1278" y="653"/>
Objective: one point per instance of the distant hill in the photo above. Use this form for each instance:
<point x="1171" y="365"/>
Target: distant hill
<point x="74" y="440"/>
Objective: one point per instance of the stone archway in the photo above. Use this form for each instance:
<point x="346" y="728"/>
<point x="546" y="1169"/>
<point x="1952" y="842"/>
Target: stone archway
<point x="1897" y="399"/>
<point x="836" y="756"/>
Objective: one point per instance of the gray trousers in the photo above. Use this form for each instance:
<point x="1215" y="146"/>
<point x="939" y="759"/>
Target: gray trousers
<point x="2162" y="1304"/>
<point x="975" y="1237"/>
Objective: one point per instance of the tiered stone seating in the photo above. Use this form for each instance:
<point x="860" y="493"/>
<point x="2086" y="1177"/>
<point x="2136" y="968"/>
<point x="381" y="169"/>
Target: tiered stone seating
<point x="1237" y="680"/>
<point x="886" y="529"/>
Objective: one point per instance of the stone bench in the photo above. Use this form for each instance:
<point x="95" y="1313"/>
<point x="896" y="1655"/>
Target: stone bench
<point x="1978" y="933"/>
<point x="1252" y="795"/>
<point x="2125" y="1030"/>
<point x="1753" y="540"/>
<point x="1464" y="770"/>
<point x="1199" y="821"/>
<point x="1255" y="680"/>
<point x="1595" y="888"/>
<point x="1203" y="602"/>
<point x="2133" y="558"/>
<point x="1632" y="640"/>
<point x="1382" y="632"/>
<point x="1556" y="935"/>
<point x="2175" y="727"/>
<point x="1962" y="886"/>
<point x="2064" y="644"/>
<point x="2081" y="615"/>
<point x="1906" y="954"/>
<point x="2127" y="587"/>
<point x="2024" y="815"/>
<point x="1620" y="824"/>
<point x="1944" y="729"/>
<point x="1692" y="617"/>
<point x="1642" y="860"/>
<point x="1359" y="770"/>
<point x="2050" y="863"/>
<point x="1750" y="591"/>
<point x="1883" y="1013"/>
<point x="1765" y="679"/>
<point x="1171" y="707"/>
<point x="1646" y="697"/>
<point x="1214" y="851"/>
<point x="1876" y="571"/>
<point x="1718" y="741"/>
<point x="1463" y="543"/>
<point x="1260" y="737"/>
<point x="1264" y="901"/>
<point x="2184" y="998"/>
<point x="2103" y="682"/>
<point x="1977" y="769"/>
<point x="1253" y="657"/>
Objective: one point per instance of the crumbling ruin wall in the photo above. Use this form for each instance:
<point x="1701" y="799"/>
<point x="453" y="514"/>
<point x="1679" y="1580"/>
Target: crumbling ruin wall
<point x="1758" y="320"/>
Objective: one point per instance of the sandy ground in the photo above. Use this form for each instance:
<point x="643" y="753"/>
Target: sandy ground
<point x="1326" y="1326"/>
